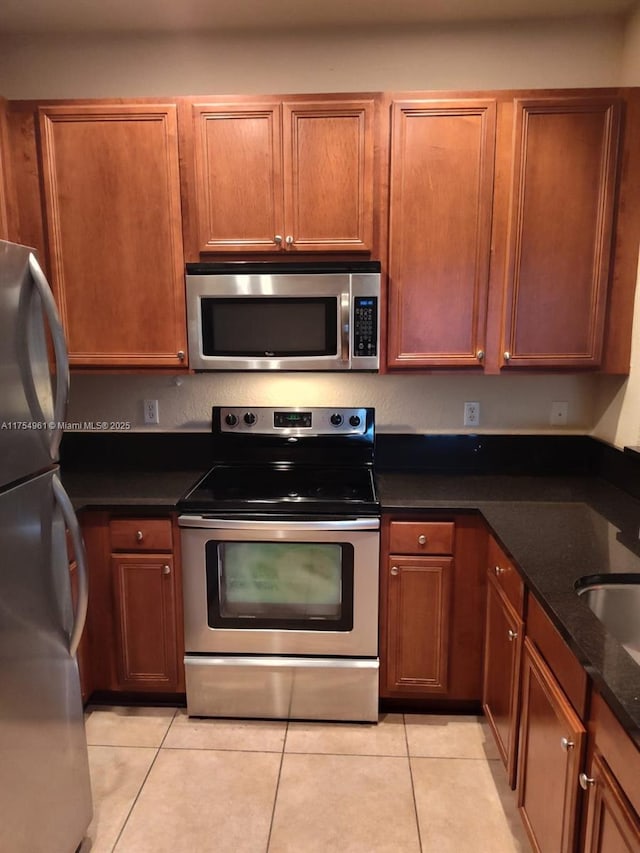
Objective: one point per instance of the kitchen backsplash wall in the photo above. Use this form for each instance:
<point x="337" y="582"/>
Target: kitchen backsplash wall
<point x="402" y="403"/>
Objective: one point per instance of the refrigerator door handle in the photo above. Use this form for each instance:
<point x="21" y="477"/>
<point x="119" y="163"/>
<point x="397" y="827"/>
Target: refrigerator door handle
<point x="71" y="520"/>
<point x="60" y="351"/>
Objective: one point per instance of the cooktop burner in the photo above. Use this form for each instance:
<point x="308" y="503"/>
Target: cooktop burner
<point x="286" y="460"/>
<point x="292" y="489"/>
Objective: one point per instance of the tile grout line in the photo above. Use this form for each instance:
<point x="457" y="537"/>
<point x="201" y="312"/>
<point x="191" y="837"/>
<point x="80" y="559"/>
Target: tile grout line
<point x="275" y="796"/>
<point x="292" y="752"/>
<point x="144" y="782"/>
<point x="413" y="789"/>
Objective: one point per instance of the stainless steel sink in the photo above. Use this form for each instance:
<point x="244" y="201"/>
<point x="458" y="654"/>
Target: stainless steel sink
<point x="616" y="603"/>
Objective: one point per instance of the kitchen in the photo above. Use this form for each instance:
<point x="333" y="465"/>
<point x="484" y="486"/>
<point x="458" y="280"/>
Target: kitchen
<point x="471" y="56"/>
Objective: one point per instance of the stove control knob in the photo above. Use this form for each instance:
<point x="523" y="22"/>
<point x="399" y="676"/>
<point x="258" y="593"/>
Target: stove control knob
<point x="249" y="419"/>
<point x="354" y="420"/>
<point x="231" y="420"/>
<point x="336" y="419"/>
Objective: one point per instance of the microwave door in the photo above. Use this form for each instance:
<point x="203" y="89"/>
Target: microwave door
<point x="267" y="332"/>
<point x="295" y="316"/>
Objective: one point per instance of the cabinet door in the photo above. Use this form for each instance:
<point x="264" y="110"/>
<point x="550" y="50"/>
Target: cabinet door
<point x="4" y="176"/>
<point x="328" y="175"/>
<point x="442" y="166"/>
<point x="562" y="205"/>
<point x="113" y="221"/>
<point x="612" y="825"/>
<point x="238" y="155"/>
<point x="145" y="609"/>
<point x="550" y="752"/>
<point x="418" y="596"/>
<point x="503" y="647"/>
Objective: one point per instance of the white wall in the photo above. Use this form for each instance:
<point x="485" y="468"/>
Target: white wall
<point x="403" y="403"/>
<point x="510" y="55"/>
<point x="514" y="55"/>
<point x="617" y="404"/>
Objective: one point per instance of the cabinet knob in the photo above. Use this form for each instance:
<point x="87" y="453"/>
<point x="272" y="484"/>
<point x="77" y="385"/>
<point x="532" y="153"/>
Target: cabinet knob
<point x="566" y="744"/>
<point x="499" y="570"/>
<point x="507" y="356"/>
<point x="513" y="635"/>
<point x="289" y="240"/>
<point x="480" y="354"/>
<point x="139" y="535"/>
<point x="394" y="570"/>
<point x="422" y="539"/>
<point x="278" y="239"/>
<point x="166" y="569"/>
<point x="180" y="354"/>
<point x="585" y="781"/>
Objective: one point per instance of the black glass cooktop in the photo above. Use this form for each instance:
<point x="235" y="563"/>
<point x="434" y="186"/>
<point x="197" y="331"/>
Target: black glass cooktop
<point x="285" y="489"/>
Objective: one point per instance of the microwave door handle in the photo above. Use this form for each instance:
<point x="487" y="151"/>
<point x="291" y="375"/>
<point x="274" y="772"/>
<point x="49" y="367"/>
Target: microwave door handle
<point x="345" y="307"/>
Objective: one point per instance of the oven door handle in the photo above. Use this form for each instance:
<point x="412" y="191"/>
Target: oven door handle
<point x="202" y="521"/>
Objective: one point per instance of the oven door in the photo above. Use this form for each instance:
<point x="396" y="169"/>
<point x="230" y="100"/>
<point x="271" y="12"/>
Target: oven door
<point x="280" y="587"/>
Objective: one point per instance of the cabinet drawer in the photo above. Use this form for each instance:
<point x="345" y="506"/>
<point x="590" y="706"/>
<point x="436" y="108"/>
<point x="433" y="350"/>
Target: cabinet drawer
<point x="506" y="575"/>
<point x="557" y="654"/>
<point x="421" y="537"/>
<point x="140" y="534"/>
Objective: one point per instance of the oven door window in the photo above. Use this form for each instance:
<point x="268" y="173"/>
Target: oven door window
<point x="280" y="585"/>
<point x="269" y="326"/>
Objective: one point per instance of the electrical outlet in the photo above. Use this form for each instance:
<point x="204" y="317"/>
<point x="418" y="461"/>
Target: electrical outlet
<point x="151" y="415"/>
<point x="559" y="413"/>
<point x="472" y="414"/>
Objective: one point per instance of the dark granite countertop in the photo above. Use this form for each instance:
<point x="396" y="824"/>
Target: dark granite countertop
<point x="558" y="530"/>
<point x="147" y="491"/>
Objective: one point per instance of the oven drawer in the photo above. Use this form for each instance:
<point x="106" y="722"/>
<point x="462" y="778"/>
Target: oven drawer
<point x="282" y="688"/>
<point x="140" y="534"/>
<point x="421" y="537"/>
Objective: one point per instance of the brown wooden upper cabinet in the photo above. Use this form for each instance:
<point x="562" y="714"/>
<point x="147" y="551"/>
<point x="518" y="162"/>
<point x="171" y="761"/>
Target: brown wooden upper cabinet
<point x="442" y="164"/>
<point x="4" y="163"/>
<point x="501" y="231"/>
<point x="565" y="164"/>
<point x="284" y="176"/>
<point x="113" y="225"/>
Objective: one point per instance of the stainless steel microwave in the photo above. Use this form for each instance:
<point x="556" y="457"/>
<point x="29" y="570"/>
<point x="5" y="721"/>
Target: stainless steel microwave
<point x="296" y="316"/>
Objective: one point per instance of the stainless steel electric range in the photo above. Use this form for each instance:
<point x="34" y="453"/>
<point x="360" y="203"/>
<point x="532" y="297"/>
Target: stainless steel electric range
<point x="280" y="550"/>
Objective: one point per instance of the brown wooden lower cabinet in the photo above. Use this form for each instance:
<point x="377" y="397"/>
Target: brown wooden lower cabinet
<point x="612" y="825"/>
<point x="135" y="636"/>
<point x="550" y="758"/>
<point x="432" y="606"/>
<point x="419" y="601"/>
<point x="612" y="780"/>
<point x="145" y="606"/>
<point x="503" y="652"/>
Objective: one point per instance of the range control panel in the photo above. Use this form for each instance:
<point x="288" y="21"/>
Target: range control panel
<point x="294" y="421"/>
<point x="365" y="326"/>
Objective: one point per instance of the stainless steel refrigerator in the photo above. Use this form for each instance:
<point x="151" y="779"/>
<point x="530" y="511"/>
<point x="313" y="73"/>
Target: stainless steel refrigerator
<point x="45" y="793"/>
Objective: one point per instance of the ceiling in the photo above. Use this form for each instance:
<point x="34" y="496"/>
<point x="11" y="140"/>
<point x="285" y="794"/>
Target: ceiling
<point x="111" y="16"/>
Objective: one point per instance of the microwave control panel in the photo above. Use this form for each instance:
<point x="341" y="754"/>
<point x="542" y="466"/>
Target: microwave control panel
<point x="365" y="326"/>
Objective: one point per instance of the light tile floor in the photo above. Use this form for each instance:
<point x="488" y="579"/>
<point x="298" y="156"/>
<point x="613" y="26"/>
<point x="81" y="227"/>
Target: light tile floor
<point x="164" y="783"/>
